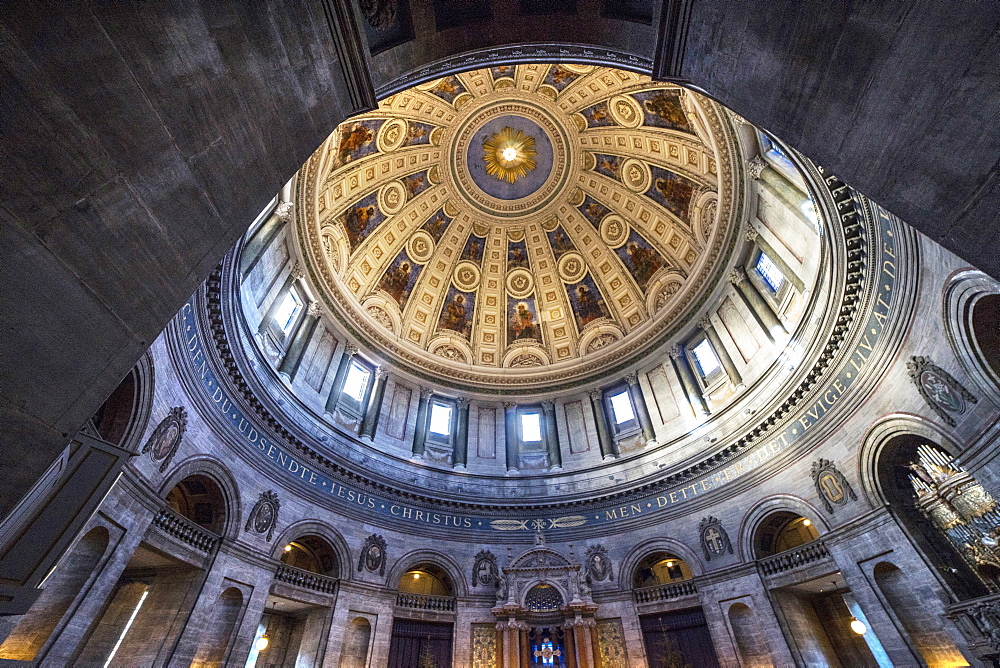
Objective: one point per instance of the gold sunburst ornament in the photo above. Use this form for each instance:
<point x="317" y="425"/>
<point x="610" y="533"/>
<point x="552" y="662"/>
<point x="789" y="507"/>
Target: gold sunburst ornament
<point x="509" y="154"/>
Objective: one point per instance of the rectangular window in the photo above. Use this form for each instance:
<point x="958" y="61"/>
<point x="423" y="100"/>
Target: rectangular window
<point x="356" y="382"/>
<point x="770" y="272"/>
<point x="621" y="407"/>
<point x="704" y="355"/>
<point x="531" y="427"/>
<point x="289" y="309"/>
<point x="440" y="419"/>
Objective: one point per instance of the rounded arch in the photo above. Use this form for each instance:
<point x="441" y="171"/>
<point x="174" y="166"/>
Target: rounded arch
<point x="881" y="434"/>
<point x="768" y="506"/>
<point x="970" y="301"/>
<point x="124" y="416"/>
<point x="646" y="548"/>
<point x="552" y="582"/>
<point x="442" y="561"/>
<point x="220" y="475"/>
<point x="321" y="530"/>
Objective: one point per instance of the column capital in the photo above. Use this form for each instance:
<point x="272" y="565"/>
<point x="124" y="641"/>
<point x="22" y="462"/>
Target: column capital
<point x="705" y="323"/>
<point x="737" y="275"/>
<point x="350" y="350"/>
<point x="596" y="395"/>
<point x="380" y="373"/>
<point x="548" y="406"/>
<point x="426" y="392"/>
<point x="674" y="352"/>
<point x="755" y="166"/>
<point x="313" y="309"/>
<point x="507" y="405"/>
<point x="632" y="378"/>
<point x="297" y="273"/>
<point x="462" y="402"/>
<point x="284" y="210"/>
<point x="750" y="234"/>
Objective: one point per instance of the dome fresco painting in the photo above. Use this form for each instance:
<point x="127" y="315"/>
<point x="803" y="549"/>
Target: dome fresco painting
<point x="584" y="249"/>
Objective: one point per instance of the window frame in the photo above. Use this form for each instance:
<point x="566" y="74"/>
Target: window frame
<point x="629" y="427"/>
<point x="717" y="377"/>
<point x="434" y="437"/>
<point x="525" y="446"/>
<point x="356" y="407"/>
<point x="780" y="298"/>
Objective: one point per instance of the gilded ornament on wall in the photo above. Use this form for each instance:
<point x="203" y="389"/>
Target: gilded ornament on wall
<point x="509" y="154"/>
<point x="939" y="389"/>
<point x="831" y="485"/>
<point x="264" y="515"/>
<point x="373" y="555"/>
<point x="714" y="539"/>
<point x="166" y="438"/>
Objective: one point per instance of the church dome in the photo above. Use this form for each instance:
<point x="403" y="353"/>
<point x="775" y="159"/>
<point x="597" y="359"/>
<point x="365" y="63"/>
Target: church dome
<point x="515" y="230"/>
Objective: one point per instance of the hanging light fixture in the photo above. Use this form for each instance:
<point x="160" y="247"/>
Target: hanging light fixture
<point x="288" y="548"/>
<point x="858" y="626"/>
<point x="262" y="643"/>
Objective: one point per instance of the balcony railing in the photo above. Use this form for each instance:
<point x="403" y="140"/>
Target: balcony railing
<point x="185" y="530"/>
<point x="664" y="592"/>
<point x="306" y="579"/>
<point x="791" y="559"/>
<point x="423" y="602"/>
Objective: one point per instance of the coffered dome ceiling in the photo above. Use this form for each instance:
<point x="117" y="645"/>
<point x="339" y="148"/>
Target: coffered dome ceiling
<point x="518" y="228"/>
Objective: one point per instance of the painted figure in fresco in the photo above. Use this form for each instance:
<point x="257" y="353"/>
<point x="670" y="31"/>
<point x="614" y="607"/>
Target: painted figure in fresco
<point x="356" y="220"/>
<point x="414" y="183"/>
<point x="595" y="211"/>
<point x="561" y="242"/>
<point x="472" y="250"/>
<point x="611" y="166"/>
<point x="396" y="281"/>
<point x="504" y="70"/>
<point x="523" y="325"/>
<point x="518" y="257"/>
<point x="559" y="75"/>
<point x="455" y="317"/>
<point x="415" y="132"/>
<point x="380" y="14"/>
<point x="598" y="113"/>
<point x="435" y="227"/>
<point x="588" y="308"/>
<point x="675" y="191"/>
<point x="352" y="140"/>
<point x="667" y="107"/>
<point x="645" y="262"/>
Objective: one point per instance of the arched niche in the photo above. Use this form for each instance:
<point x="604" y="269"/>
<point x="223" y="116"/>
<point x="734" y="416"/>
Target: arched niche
<point x="895" y="484"/>
<point x="972" y="322"/>
<point x="357" y="638"/>
<point x="217" y="638"/>
<point x="440" y="563"/>
<point x="426" y="579"/>
<point x="781" y="531"/>
<point x="901" y="591"/>
<point x="122" y="417"/>
<point x="223" y="487"/>
<point x="770" y="515"/>
<point x="660" y="568"/>
<point x="200" y="499"/>
<point x="321" y="545"/>
<point x="543" y="598"/>
<point x="750" y="637"/>
<point x="59" y="591"/>
<point x="643" y="550"/>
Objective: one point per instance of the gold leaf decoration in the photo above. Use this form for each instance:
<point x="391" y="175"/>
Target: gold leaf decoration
<point x="509" y="154"/>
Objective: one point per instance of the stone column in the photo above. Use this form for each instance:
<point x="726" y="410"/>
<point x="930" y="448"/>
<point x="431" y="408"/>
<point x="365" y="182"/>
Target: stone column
<point x="569" y="645"/>
<point x="552" y="436"/>
<point x="604" y="437"/>
<point x="642" y="412"/>
<point x="303" y="334"/>
<point x="758" y="305"/>
<point x="727" y="361"/>
<point x="509" y="642"/>
<point x="460" y="454"/>
<point x="338" y="380"/>
<point x="254" y="248"/>
<point x="294" y="275"/>
<point x="510" y="431"/>
<point x="691" y="387"/>
<point x="420" y="431"/>
<point x="374" y="407"/>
